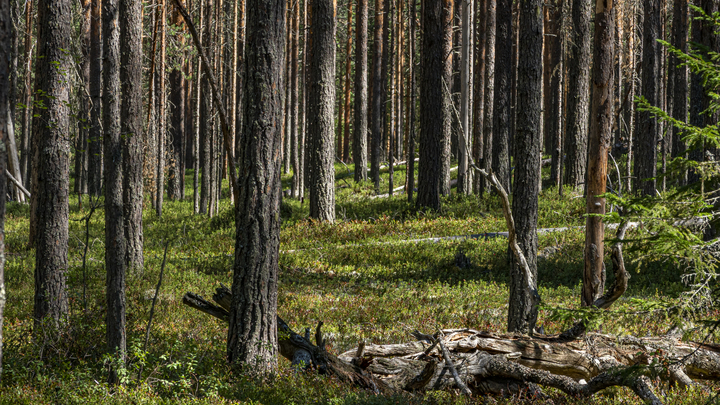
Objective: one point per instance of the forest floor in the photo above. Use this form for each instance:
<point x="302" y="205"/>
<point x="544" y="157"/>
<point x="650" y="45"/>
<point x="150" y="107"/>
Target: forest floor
<point x="359" y="276"/>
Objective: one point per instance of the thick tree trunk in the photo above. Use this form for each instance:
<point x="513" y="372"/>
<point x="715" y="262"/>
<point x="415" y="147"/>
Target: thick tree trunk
<point x="95" y="145"/>
<point x="51" y="168"/>
<point x="501" y="104"/>
<point x="648" y="126"/>
<point x="578" y="94"/>
<point x="360" y="125"/>
<point x="252" y="334"/>
<point x="131" y="132"/>
<point x="522" y="311"/>
<point x="434" y="102"/>
<point x="321" y="99"/>
<point x="599" y="142"/>
<point x="114" y="223"/>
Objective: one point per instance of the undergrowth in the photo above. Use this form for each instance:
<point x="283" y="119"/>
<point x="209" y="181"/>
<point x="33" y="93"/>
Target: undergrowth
<point x="372" y="276"/>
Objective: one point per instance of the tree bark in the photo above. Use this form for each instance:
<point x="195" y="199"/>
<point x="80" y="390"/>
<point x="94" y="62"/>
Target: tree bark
<point x="25" y="143"/>
<point x="95" y="144"/>
<point x="578" y="94"/>
<point x="649" y="126"/>
<point x="434" y="102"/>
<point x="410" y="187"/>
<point x="360" y="125"/>
<point x="599" y="143"/>
<point x="464" y="185"/>
<point x="478" y="115"/>
<point x="51" y="168"/>
<point x="252" y="334"/>
<point x="6" y="45"/>
<point x="678" y="79"/>
<point x="206" y="121"/>
<point x="177" y="107"/>
<point x="501" y="104"/>
<point x="321" y="98"/>
<point x="295" y="101"/>
<point x="377" y="109"/>
<point x="348" y="70"/>
<point x="552" y="90"/>
<point x="115" y="247"/>
<point x="81" y="145"/>
<point x="131" y="131"/>
<point x="522" y="311"/>
<point x="490" y="28"/>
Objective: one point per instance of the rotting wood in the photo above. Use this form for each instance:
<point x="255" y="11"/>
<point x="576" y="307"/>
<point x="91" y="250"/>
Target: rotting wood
<point x="495" y="363"/>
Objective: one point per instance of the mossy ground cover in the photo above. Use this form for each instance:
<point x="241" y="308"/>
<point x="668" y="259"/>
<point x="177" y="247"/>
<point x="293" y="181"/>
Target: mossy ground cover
<point x="361" y="276"/>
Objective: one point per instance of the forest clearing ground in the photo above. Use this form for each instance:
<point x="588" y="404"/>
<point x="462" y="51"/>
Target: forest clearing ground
<point x="370" y="292"/>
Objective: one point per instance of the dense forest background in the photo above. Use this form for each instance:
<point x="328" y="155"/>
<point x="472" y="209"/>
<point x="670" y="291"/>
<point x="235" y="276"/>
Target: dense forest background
<point x="472" y="164"/>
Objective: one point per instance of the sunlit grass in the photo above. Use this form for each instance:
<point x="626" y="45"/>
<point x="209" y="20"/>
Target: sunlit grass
<point x="366" y="277"/>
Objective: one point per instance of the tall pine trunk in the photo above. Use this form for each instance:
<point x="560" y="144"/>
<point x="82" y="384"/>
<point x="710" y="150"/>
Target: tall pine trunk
<point x="678" y="79"/>
<point x="321" y="99"/>
<point x="360" y="125"/>
<point x="377" y="109"/>
<point x="578" y="94"/>
<point x="501" y="106"/>
<point x="522" y="311"/>
<point x="599" y="143"/>
<point x="51" y="168"/>
<point x="131" y="131"/>
<point x="95" y="146"/>
<point x="434" y="102"/>
<point x="114" y="223"/>
<point x="648" y="126"/>
<point x="252" y="333"/>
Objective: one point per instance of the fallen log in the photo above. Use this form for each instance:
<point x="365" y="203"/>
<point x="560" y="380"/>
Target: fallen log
<point x="496" y="363"/>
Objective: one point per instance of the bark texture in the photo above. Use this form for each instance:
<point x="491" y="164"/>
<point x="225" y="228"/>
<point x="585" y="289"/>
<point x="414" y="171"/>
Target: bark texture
<point x="95" y="145"/>
<point x="114" y="223"/>
<point x="52" y="164"/>
<point x="678" y="77"/>
<point x="177" y="118"/>
<point x="321" y="96"/>
<point x="434" y="102"/>
<point x="377" y="108"/>
<point x="360" y="125"/>
<point x="501" y="105"/>
<point x="599" y="143"/>
<point x="489" y="92"/>
<point x="131" y="131"/>
<point x="522" y="311"/>
<point x="648" y="132"/>
<point x="578" y="93"/>
<point x="252" y="335"/>
<point x="6" y="39"/>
